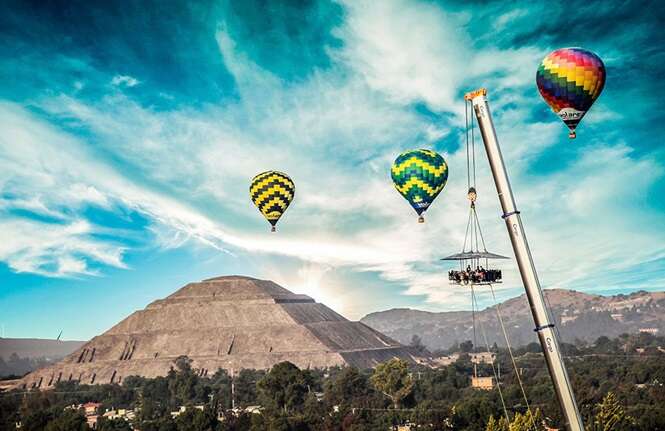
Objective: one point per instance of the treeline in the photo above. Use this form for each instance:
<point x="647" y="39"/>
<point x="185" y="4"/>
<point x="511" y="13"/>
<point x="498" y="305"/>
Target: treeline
<point x="618" y="384"/>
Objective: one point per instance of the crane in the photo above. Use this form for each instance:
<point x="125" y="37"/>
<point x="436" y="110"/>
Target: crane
<point x="542" y="319"/>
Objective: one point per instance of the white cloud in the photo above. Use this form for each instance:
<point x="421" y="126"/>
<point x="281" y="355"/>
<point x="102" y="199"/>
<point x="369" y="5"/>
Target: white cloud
<point x="125" y="80"/>
<point x="336" y="134"/>
<point x="54" y="249"/>
<point x="413" y="51"/>
<point x="508" y="18"/>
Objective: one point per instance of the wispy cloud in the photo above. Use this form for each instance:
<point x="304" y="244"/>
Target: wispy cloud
<point x="55" y="249"/>
<point x="125" y="80"/>
<point x="336" y="132"/>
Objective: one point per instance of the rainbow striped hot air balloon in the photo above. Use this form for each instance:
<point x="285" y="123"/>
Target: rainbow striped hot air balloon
<point x="570" y="80"/>
<point x="419" y="176"/>
<point x="272" y="192"/>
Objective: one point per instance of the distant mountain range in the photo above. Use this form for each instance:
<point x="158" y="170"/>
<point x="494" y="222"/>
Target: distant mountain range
<point x="578" y="316"/>
<point x="21" y="355"/>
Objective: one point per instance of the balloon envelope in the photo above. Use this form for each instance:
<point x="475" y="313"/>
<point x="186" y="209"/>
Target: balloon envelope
<point x="570" y="80"/>
<point x="419" y="176"/>
<point x="272" y="192"/>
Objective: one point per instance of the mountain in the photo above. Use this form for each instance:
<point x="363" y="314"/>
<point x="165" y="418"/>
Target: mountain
<point x="578" y="316"/>
<point x="225" y="322"/>
<point x="21" y="355"/>
<point x="33" y="348"/>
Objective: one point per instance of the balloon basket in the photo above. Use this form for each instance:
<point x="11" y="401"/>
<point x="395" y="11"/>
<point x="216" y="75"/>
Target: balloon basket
<point x="572" y="135"/>
<point x="273" y="229"/>
<point x="421" y="219"/>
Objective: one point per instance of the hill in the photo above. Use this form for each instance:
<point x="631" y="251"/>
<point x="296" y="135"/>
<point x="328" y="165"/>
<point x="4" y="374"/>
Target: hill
<point x="578" y="316"/>
<point x="22" y="355"/>
<point x="33" y="348"/>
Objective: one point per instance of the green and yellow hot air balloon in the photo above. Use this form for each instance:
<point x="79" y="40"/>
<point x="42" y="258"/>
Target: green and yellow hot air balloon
<point x="272" y="192"/>
<point x="419" y="176"/>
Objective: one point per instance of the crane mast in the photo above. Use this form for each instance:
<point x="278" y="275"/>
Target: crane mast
<point x="544" y="325"/>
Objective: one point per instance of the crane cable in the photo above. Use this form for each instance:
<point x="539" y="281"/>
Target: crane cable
<point x="466" y="124"/>
<point x="473" y="224"/>
<point x="494" y="371"/>
<point x="471" y="168"/>
<point x="473" y="145"/>
<point x="473" y="227"/>
<point x="473" y="320"/>
<point x="512" y="357"/>
<point x="466" y="234"/>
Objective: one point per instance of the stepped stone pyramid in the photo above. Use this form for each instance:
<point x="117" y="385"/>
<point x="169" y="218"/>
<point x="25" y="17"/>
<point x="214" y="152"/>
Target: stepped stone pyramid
<point x="229" y="322"/>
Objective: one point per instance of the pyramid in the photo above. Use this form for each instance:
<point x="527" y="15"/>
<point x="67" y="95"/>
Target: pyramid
<point x="231" y="322"/>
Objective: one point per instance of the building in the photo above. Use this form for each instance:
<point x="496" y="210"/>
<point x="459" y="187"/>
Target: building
<point x="126" y="414"/>
<point x="476" y="358"/>
<point x="91" y="413"/>
<point x="224" y="322"/>
<point x="482" y="383"/>
<point x="183" y="409"/>
<point x="91" y="408"/>
<point x="482" y="357"/>
<point x="443" y="361"/>
<point x="240" y="410"/>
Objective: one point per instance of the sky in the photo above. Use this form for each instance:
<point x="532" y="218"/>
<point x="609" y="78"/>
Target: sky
<point x="129" y="133"/>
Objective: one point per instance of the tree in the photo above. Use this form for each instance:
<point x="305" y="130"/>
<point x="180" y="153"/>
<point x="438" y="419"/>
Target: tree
<point x="221" y="387"/>
<point x="183" y="363"/>
<point x="235" y="422"/>
<point x="313" y="412"/>
<point x="417" y="345"/>
<point x="162" y="424"/>
<point x="69" y="420"/>
<point x="196" y="420"/>
<point x="279" y="423"/>
<point x="533" y="348"/>
<point x="610" y="415"/>
<point x="113" y="425"/>
<point x="466" y="346"/>
<point x="182" y="384"/>
<point x="393" y="380"/>
<point x="36" y="411"/>
<point x="497" y="425"/>
<point x="36" y="420"/>
<point x="348" y="388"/>
<point x="434" y="415"/>
<point x="526" y="422"/>
<point x="283" y="388"/>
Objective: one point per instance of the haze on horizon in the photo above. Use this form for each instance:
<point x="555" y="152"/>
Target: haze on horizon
<point x="130" y="133"/>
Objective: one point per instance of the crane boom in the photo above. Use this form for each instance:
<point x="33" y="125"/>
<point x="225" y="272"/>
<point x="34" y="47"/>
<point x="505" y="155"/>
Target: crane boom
<point x="544" y="326"/>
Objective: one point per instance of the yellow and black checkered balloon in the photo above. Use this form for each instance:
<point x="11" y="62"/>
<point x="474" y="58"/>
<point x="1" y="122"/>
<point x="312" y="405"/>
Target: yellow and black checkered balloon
<point x="272" y="192"/>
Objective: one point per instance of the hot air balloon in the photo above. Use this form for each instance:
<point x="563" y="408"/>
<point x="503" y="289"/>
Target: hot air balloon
<point x="570" y="80"/>
<point x="272" y="192"/>
<point x="419" y="176"/>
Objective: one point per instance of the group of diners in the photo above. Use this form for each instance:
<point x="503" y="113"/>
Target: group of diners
<point x="478" y="275"/>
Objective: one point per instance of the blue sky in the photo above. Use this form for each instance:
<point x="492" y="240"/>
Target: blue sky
<point x="129" y="132"/>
